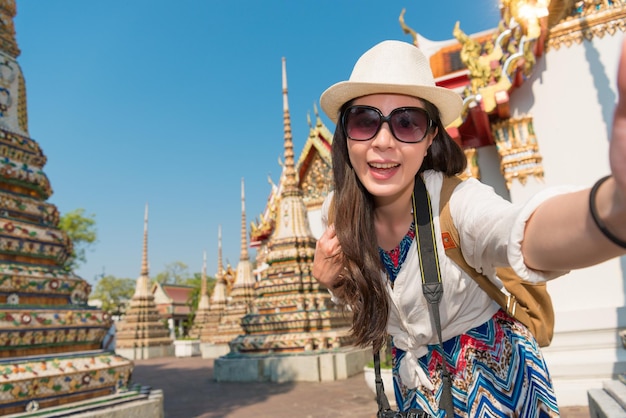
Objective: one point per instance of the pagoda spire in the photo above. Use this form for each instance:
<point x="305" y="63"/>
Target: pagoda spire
<point x="291" y="312"/>
<point x="244" y="235"/>
<point x="244" y="279"/>
<point x="143" y="281"/>
<point x="241" y="295"/>
<point x="292" y="220"/>
<point x="141" y="334"/>
<point x="220" y="264"/>
<point x="291" y="182"/>
<point x="221" y="287"/>
<point x="203" y="314"/>
<point x="204" y="297"/>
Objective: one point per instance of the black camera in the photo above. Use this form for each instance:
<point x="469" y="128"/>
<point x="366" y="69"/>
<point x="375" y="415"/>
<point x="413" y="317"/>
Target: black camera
<point x="411" y="413"/>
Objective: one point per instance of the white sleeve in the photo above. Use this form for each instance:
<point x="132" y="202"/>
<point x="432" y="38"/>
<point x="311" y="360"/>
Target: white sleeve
<point x="491" y="229"/>
<point x="514" y="253"/>
<point x="326" y="208"/>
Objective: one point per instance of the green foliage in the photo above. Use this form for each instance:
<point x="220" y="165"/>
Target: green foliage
<point x="113" y="292"/>
<point x="196" y="283"/>
<point x="174" y="273"/>
<point x="81" y="229"/>
<point x="386" y="355"/>
<point x="194" y="296"/>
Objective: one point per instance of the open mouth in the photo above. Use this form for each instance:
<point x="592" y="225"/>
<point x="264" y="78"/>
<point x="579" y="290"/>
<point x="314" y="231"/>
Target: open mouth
<point x="383" y="166"/>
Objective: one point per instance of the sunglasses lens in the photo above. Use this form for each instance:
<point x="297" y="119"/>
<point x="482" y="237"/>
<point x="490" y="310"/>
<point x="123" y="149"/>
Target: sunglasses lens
<point x="361" y="123"/>
<point x="409" y="124"/>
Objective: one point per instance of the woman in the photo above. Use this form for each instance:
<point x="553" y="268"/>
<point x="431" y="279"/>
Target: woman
<point x="391" y="120"/>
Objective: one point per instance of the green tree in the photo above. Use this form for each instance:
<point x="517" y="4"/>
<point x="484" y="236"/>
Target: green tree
<point x="196" y="283"/>
<point x="174" y="273"/>
<point x="81" y="229"/>
<point x="194" y="296"/>
<point x="114" y="292"/>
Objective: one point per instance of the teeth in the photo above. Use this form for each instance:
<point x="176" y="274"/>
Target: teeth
<point x="383" y="165"/>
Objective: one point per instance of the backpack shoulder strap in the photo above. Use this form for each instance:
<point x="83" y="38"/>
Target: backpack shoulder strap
<point x="452" y="244"/>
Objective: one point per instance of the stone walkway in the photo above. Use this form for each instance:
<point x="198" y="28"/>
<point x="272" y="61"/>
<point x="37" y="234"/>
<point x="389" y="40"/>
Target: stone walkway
<point x="190" y="392"/>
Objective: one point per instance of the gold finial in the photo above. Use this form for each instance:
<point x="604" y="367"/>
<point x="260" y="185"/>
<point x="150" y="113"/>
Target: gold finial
<point x="318" y="120"/>
<point x="407" y="29"/>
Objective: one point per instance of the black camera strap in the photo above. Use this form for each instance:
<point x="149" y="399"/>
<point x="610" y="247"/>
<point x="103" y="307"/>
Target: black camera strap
<point x="431" y="277"/>
<point x="381" y="398"/>
<point x="432" y="288"/>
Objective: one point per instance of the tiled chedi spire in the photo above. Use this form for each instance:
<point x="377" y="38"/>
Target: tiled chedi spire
<point x="202" y="313"/>
<point x="142" y="329"/>
<point x="218" y="298"/>
<point x="242" y="293"/>
<point x="50" y="338"/>
<point x="292" y="313"/>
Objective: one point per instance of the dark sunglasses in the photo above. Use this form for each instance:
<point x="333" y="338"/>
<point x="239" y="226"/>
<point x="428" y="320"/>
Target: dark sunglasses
<point x="407" y="124"/>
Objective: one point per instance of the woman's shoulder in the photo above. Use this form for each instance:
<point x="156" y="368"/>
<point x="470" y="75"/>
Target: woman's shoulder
<point x="435" y="180"/>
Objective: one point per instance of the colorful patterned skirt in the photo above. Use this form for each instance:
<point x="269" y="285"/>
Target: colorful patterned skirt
<point x="497" y="370"/>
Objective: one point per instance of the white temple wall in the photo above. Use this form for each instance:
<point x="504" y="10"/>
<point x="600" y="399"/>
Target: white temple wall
<point x="571" y="97"/>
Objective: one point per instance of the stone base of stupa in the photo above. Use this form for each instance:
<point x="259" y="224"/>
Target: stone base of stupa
<point x="139" y="401"/>
<point x="210" y="350"/>
<point x="327" y="366"/>
<point x="586" y="352"/>
<point x="147" y="352"/>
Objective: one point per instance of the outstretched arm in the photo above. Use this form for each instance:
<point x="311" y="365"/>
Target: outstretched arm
<point x="561" y="234"/>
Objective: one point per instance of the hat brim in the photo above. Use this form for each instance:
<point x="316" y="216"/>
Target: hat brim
<point x="447" y="101"/>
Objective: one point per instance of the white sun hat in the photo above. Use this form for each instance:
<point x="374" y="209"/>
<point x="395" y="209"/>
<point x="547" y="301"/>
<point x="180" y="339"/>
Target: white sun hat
<point x="392" y="67"/>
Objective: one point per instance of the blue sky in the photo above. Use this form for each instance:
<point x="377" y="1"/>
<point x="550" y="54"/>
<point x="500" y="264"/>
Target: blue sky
<point x="173" y="103"/>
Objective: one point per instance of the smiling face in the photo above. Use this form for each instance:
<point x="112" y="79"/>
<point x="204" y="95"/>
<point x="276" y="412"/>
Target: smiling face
<point x="385" y="166"/>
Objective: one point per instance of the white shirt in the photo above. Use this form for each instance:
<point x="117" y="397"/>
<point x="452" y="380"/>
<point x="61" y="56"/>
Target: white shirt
<point x="491" y="231"/>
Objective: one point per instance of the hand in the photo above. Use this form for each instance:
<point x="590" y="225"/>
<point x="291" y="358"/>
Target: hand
<point x="328" y="260"/>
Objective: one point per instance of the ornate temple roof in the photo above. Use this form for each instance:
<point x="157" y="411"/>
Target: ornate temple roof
<point x="313" y="174"/>
<point x="172" y="299"/>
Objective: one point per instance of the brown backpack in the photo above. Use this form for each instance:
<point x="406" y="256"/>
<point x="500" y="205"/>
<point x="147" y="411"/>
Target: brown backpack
<point x="528" y="303"/>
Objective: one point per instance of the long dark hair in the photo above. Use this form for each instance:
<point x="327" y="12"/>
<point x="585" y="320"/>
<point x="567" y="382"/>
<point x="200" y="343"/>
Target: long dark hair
<point x="353" y="212"/>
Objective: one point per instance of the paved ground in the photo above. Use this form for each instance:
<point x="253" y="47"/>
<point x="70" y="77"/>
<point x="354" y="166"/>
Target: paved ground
<point x="190" y="392"/>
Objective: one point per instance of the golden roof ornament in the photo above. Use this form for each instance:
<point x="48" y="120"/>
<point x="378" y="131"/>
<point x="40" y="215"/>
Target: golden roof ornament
<point x="585" y="19"/>
<point x="8" y="44"/>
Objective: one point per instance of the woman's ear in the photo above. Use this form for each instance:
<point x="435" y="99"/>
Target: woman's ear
<point x="431" y="138"/>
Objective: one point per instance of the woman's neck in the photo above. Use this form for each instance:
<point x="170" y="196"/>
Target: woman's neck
<point x="392" y="220"/>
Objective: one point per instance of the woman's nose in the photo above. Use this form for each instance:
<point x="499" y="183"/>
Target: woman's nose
<point x="384" y="138"/>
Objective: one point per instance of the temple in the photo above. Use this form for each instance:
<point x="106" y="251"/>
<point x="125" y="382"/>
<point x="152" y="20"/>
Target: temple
<point x="216" y="308"/>
<point x="293" y="319"/>
<point x="50" y="339"/>
<point x="539" y="92"/>
<point x="202" y="315"/>
<point x="141" y="334"/>
<point x="240" y="298"/>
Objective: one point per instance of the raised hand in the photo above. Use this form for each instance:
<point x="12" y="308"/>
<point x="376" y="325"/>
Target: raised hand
<point x="328" y="261"/>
